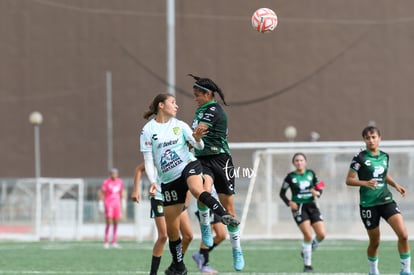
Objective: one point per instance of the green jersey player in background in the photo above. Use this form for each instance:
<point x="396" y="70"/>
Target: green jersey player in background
<point x="215" y="157"/>
<point x="305" y="187"/>
<point x="369" y="171"/>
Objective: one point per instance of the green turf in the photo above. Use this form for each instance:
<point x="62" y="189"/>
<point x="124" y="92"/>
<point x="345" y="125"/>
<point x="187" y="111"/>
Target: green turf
<point x="265" y="256"/>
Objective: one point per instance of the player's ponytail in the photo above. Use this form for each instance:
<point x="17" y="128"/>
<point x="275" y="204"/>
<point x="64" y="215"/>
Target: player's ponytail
<point x="206" y="84"/>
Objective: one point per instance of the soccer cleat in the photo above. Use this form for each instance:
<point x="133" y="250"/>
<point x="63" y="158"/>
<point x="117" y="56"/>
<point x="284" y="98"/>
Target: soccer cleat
<point x="115" y="245"/>
<point x="238" y="259"/>
<point x="230" y="220"/>
<point x="171" y="270"/>
<point x="406" y="273"/>
<point x="199" y="260"/>
<point x="206" y="235"/>
<point x="373" y="273"/>
<point x="206" y="269"/>
<point x="106" y="245"/>
<point x="307" y="268"/>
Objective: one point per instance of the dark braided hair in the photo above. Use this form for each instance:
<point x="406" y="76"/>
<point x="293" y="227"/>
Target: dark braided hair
<point x="153" y="107"/>
<point x="206" y="84"/>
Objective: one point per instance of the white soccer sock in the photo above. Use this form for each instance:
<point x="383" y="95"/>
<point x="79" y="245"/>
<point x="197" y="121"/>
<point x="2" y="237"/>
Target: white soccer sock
<point x="406" y="265"/>
<point x="235" y="237"/>
<point x="307" y="253"/>
<point x="204" y="216"/>
<point x="373" y="265"/>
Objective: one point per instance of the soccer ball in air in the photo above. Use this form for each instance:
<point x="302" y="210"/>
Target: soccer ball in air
<point x="264" y="20"/>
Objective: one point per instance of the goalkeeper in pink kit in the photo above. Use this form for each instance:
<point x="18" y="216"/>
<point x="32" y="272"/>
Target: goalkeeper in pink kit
<point x="111" y="202"/>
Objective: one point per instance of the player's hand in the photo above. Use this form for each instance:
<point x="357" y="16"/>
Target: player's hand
<point x="293" y="205"/>
<point x="153" y="189"/>
<point x="315" y="193"/>
<point x="401" y="190"/>
<point x="136" y="196"/>
<point x="199" y="132"/>
<point x="101" y="207"/>
<point x="372" y="184"/>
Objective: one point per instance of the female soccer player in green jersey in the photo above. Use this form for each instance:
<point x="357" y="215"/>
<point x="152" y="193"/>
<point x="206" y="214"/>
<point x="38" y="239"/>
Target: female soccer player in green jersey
<point x="305" y="186"/>
<point x="215" y="157"/>
<point x="369" y="171"/>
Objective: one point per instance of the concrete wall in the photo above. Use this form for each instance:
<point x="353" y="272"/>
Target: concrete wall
<point x="330" y="67"/>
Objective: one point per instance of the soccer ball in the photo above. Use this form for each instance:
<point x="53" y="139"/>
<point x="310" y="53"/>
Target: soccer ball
<point x="264" y="20"/>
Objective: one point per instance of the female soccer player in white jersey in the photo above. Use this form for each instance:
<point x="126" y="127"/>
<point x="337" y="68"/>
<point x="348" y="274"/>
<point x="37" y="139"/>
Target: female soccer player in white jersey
<point x="164" y="145"/>
<point x="157" y="213"/>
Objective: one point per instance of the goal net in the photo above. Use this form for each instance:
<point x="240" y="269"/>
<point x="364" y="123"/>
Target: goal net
<point x="264" y="214"/>
<point x="43" y="208"/>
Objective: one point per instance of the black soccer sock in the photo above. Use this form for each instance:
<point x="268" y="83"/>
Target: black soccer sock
<point x="211" y="248"/>
<point x="176" y="250"/>
<point x="155" y="264"/>
<point x="212" y="203"/>
<point x="204" y="252"/>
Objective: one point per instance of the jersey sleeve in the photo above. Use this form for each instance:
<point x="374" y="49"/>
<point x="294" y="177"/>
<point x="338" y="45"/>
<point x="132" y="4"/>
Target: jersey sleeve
<point x="145" y="141"/>
<point x="355" y="163"/>
<point x="283" y="190"/>
<point x="211" y="115"/>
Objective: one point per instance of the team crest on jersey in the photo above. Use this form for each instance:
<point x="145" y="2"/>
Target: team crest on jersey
<point x="154" y="137"/>
<point x="177" y="130"/>
<point x="367" y="162"/>
<point x="356" y="166"/>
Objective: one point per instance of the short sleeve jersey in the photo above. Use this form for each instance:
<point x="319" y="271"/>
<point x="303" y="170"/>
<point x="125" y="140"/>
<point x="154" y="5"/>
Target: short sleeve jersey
<point x="371" y="167"/>
<point x="168" y="144"/>
<point x="215" y="141"/>
<point x="300" y="185"/>
<point x="112" y="189"/>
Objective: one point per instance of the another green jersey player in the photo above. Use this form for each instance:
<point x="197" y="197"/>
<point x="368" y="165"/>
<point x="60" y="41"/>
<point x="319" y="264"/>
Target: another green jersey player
<point x="369" y="171"/>
<point x="215" y="157"/>
<point x="305" y="186"/>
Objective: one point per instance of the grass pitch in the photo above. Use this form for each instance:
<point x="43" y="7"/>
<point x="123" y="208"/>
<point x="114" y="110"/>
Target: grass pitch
<point x="261" y="257"/>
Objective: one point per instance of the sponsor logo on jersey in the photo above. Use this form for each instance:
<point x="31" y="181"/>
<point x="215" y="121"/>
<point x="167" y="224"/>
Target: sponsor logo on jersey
<point x="168" y="143"/>
<point x="169" y="160"/>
